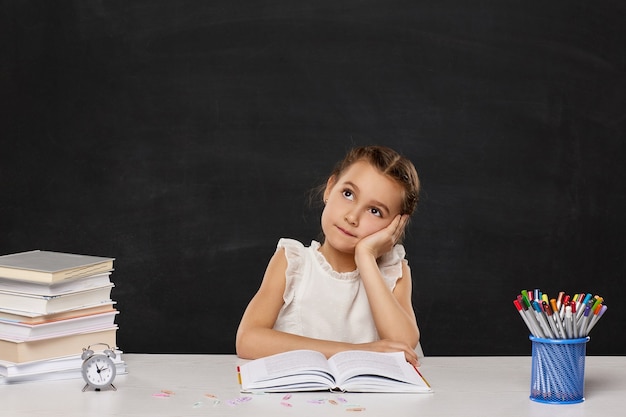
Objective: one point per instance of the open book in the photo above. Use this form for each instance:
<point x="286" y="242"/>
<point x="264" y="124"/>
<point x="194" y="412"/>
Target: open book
<point x="351" y="371"/>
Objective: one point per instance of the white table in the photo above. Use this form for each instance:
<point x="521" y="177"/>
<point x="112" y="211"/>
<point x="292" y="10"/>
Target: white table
<point x="464" y="386"/>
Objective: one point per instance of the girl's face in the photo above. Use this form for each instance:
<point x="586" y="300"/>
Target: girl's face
<point x="360" y="202"/>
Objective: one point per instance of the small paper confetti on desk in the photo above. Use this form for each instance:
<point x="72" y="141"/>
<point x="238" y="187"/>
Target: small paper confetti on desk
<point x="239" y="400"/>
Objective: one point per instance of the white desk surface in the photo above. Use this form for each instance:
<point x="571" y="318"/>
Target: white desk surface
<point x="464" y="386"/>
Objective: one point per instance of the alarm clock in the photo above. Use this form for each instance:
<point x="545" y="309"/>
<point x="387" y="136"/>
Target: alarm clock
<point x="98" y="369"/>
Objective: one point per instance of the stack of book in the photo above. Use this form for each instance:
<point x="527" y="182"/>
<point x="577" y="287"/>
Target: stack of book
<point x="52" y="306"/>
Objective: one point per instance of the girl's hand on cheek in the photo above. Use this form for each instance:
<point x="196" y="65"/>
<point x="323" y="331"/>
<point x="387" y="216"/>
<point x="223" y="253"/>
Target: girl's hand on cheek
<point x="383" y="241"/>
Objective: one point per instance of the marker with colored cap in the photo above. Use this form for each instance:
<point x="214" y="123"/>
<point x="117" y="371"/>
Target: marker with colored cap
<point x="574" y="328"/>
<point x="581" y="303"/>
<point x="564" y="303"/>
<point x="541" y="318"/>
<point x="583" y="321"/>
<point x="532" y="318"/>
<point x="520" y="310"/>
<point x="596" y="316"/>
<point x="559" y="300"/>
<point x="548" y="315"/>
<point x="569" y="323"/>
<point x="557" y="319"/>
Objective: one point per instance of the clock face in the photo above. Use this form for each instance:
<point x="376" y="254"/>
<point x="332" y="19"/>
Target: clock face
<point x="99" y="371"/>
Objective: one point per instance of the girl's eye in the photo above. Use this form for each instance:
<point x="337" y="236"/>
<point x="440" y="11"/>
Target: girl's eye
<point x="348" y="194"/>
<point x="376" y="212"/>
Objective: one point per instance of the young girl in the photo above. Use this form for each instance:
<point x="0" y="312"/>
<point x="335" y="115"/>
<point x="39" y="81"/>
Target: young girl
<point x="353" y="291"/>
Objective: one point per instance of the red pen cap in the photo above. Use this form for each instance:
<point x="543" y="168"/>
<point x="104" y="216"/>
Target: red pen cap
<point x="565" y="300"/>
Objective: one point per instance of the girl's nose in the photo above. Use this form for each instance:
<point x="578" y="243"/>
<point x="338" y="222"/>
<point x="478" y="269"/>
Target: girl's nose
<point x="351" y="219"/>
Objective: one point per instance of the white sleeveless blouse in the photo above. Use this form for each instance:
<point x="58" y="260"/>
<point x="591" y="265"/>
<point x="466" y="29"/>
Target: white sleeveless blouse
<point x="322" y="303"/>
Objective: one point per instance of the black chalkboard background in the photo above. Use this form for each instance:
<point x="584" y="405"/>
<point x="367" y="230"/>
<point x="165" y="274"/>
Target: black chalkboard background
<point x="183" y="137"/>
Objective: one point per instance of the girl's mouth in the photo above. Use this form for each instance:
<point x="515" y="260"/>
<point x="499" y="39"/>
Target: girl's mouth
<point x="345" y="232"/>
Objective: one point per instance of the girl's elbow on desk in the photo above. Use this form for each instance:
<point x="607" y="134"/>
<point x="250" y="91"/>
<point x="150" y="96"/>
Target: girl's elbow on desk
<point x="243" y="345"/>
<point x="244" y="349"/>
<point x="254" y="343"/>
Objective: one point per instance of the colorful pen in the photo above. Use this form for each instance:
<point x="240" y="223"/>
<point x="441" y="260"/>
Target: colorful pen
<point x="557" y="318"/>
<point x="520" y="310"/>
<point x="596" y="316"/>
<point x="548" y="313"/>
<point x="569" y="325"/>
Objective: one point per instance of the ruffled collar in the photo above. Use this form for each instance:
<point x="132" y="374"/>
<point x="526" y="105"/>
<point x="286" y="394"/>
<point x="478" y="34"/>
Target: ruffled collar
<point x="323" y="263"/>
<point x="390" y="259"/>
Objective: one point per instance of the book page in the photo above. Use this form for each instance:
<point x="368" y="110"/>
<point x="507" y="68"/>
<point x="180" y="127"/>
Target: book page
<point x="392" y="365"/>
<point x="347" y="362"/>
<point x="284" y="364"/>
<point x="290" y="363"/>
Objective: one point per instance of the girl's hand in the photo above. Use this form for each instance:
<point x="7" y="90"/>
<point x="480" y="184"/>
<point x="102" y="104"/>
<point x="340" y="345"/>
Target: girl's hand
<point x="383" y="241"/>
<point x="391" y="346"/>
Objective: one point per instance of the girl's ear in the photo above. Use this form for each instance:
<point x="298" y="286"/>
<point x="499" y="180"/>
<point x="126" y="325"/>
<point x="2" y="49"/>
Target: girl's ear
<point x="329" y="185"/>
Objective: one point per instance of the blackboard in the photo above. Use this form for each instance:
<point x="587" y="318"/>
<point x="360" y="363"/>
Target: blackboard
<point x="182" y="138"/>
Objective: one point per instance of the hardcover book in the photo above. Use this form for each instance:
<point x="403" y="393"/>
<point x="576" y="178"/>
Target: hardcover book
<point x="52" y="304"/>
<point x="11" y="330"/>
<point x="51" y="267"/>
<point x="20" y="351"/>
<point x="350" y="371"/>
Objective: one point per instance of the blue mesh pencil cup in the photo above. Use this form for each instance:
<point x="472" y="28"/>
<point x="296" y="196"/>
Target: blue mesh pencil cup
<point x="558" y="370"/>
